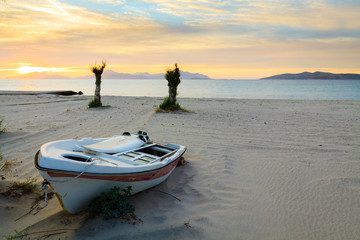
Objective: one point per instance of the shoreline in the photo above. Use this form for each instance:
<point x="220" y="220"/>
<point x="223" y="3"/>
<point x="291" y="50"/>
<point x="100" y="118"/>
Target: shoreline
<point x="257" y="168"/>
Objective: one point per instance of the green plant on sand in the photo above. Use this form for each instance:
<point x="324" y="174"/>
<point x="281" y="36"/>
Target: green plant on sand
<point x="1" y="127"/>
<point x="112" y="204"/>
<point x="97" y="70"/>
<point x="93" y="103"/>
<point x="6" y="165"/>
<point x="18" y="234"/>
<point x="165" y="106"/>
<point x="20" y="188"/>
<point x="1" y="131"/>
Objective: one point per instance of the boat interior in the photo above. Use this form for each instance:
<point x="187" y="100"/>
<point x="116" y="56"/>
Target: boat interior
<point x="143" y="155"/>
<point x="147" y="154"/>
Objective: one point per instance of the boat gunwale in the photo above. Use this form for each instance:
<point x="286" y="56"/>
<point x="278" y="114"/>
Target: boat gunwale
<point x="36" y="163"/>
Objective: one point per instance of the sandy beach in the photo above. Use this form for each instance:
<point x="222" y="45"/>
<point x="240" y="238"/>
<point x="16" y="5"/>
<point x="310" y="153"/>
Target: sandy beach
<point x="256" y="169"/>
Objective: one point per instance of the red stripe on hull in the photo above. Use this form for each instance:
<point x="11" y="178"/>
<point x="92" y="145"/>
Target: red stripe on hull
<point x="135" y="177"/>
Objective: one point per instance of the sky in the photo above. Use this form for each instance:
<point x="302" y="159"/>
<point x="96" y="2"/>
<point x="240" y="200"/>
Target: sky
<point x="231" y="39"/>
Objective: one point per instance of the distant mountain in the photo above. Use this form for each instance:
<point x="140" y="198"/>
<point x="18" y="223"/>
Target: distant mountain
<point x="187" y="75"/>
<point x="110" y="74"/>
<point x="315" y="75"/>
<point x="39" y="75"/>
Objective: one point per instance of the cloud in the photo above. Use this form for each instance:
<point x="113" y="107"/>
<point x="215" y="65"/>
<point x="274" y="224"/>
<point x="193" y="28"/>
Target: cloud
<point x="155" y="19"/>
<point x="238" y="33"/>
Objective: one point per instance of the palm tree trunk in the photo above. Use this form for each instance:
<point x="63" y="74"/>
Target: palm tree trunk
<point x="97" y="90"/>
<point x="172" y="95"/>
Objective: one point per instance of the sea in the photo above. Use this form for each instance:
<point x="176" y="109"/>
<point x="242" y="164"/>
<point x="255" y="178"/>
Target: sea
<point x="199" y="88"/>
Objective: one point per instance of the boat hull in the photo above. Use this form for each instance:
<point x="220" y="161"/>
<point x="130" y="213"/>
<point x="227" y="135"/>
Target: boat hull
<point x="76" y="191"/>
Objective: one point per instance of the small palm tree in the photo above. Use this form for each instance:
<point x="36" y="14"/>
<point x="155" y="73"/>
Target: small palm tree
<point x="97" y="70"/>
<point x="173" y="78"/>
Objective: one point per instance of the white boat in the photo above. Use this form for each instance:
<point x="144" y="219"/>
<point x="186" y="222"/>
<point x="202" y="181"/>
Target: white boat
<point x="79" y="170"/>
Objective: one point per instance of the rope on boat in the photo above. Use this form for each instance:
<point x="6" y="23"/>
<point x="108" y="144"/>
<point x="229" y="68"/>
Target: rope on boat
<point x="85" y="169"/>
<point x="44" y="186"/>
<point x="46" y="182"/>
<point x="71" y="179"/>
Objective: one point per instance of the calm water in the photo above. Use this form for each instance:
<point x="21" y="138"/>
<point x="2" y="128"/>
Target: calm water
<point x="241" y="89"/>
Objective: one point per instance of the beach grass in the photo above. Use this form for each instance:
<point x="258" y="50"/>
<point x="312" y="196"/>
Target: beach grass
<point x="167" y="107"/>
<point x="112" y="204"/>
<point x="6" y="165"/>
<point x="18" y="234"/>
<point x="20" y="188"/>
<point x="2" y="129"/>
<point x="93" y="103"/>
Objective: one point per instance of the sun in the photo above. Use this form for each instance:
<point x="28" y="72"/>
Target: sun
<point x="28" y="69"/>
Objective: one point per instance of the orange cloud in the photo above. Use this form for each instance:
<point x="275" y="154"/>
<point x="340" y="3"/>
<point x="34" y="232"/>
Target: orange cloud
<point x="229" y="39"/>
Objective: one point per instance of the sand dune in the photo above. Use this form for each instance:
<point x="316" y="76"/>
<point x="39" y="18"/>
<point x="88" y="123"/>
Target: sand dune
<point x="257" y="169"/>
